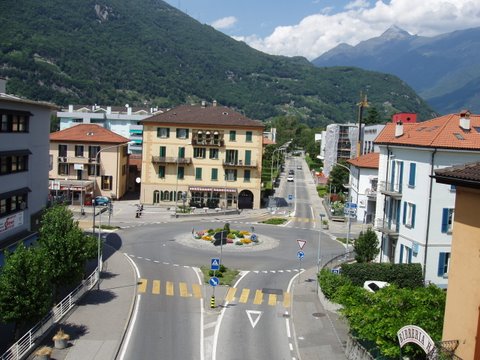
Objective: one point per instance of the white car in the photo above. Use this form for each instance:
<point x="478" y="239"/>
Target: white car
<point x="290" y="178"/>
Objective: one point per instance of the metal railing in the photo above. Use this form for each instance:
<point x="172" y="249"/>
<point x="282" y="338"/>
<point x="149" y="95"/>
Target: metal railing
<point x="390" y="188"/>
<point x="23" y="347"/>
<point x="389" y="226"/>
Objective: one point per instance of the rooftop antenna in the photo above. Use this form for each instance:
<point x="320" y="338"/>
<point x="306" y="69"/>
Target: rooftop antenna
<point x="362" y="104"/>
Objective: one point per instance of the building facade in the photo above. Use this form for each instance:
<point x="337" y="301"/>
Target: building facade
<point x="88" y="160"/>
<point x="24" y="129"/>
<point x="415" y="214"/>
<point x="205" y="156"/>
<point x="339" y="142"/>
<point x="462" y="311"/>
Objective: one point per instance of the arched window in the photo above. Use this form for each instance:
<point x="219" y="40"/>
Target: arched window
<point x="156" y="197"/>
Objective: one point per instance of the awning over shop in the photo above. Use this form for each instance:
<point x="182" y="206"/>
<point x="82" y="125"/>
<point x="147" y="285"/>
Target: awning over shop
<point x="212" y="189"/>
<point x="71" y="185"/>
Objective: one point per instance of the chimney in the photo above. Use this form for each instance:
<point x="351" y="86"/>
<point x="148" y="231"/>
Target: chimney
<point x="3" y="85"/>
<point x="70" y="108"/>
<point x="214" y="103"/>
<point x="464" y="122"/>
<point x="399" y="129"/>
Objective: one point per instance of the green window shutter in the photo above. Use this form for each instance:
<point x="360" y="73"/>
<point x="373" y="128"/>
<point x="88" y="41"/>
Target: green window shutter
<point x="181" y="172"/>
<point x="168" y="132"/>
<point x="233" y="135"/>
<point x="248" y="157"/>
<point x="181" y="152"/>
<point x="214" y="174"/>
<point x="246" y="175"/>
<point x="248" y="136"/>
<point x="161" y="171"/>
<point x="163" y="151"/>
<point x="198" y="174"/>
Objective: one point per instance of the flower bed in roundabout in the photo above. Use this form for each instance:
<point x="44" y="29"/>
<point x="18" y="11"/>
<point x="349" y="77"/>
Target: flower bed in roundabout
<point x="236" y="237"/>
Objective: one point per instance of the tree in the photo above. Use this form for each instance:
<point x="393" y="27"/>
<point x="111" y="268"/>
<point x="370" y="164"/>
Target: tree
<point x="64" y="246"/>
<point x="338" y="177"/>
<point x="25" y="290"/>
<point x="373" y="116"/>
<point x="366" y="246"/>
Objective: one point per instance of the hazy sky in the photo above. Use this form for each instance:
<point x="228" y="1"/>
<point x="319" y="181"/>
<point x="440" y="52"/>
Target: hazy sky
<point x="311" y="27"/>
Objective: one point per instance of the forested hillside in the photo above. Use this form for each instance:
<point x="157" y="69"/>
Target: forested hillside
<point x="145" y="52"/>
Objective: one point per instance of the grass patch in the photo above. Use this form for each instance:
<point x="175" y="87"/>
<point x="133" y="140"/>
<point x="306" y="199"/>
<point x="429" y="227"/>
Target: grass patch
<point x="108" y="227"/>
<point x="344" y="240"/>
<point x="225" y="275"/>
<point x="275" y="221"/>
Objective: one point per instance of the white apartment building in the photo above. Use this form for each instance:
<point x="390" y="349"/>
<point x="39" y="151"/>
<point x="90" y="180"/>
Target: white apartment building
<point x="414" y="214"/>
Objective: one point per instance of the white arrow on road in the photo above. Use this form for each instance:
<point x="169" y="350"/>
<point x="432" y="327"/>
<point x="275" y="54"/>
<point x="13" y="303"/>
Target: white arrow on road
<point x="251" y="315"/>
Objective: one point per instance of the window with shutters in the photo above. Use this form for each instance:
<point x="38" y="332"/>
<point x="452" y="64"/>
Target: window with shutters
<point x="161" y="171"/>
<point x="181" y="173"/>
<point x="409" y="214"/>
<point x="411" y="176"/>
<point x="214" y="174"/>
<point x="443" y="264"/>
<point x="163" y="133"/>
<point x="447" y="220"/>
<point x="246" y="175"/>
<point x="198" y="173"/>
<point x="248" y="136"/>
<point x="233" y="135"/>
<point x="199" y="152"/>
<point x="182" y="133"/>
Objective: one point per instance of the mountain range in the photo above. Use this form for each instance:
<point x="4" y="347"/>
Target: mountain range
<point x="442" y="69"/>
<point x="145" y="52"/>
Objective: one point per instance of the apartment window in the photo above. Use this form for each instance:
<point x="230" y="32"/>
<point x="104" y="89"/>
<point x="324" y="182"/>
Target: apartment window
<point x="248" y="136"/>
<point x="248" y="157"/>
<point x="233" y="135"/>
<point x="14" y="122"/>
<point x="62" y="150"/>
<point x="182" y="133"/>
<point x="199" y="153"/>
<point x="13" y="201"/>
<point x="198" y="173"/>
<point x="409" y="214"/>
<point x="63" y="169"/>
<point x="231" y="156"/>
<point x="161" y="172"/>
<point x="447" y="220"/>
<point x="405" y="255"/>
<point x="163" y="133"/>
<point x="14" y="161"/>
<point x="214" y="174"/>
<point x="92" y="152"/>
<point x="213" y="153"/>
<point x="107" y="182"/>
<point x="163" y="151"/>
<point x="246" y="175"/>
<point x="411" y="177"/>
<point x="181" y="152"/>
<point x="79" y="150"/>
<point x="231" y="174"/>
<point x="396" y="176"/>
<point x="443" y="264"/>
<point x="181" y="173"/>
<point x="92" y="169"/>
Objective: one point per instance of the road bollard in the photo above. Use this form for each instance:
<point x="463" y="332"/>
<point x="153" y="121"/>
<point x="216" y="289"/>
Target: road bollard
<point x="212" y="302"/>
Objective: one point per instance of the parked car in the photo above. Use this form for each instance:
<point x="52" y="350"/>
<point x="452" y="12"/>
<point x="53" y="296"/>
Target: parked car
<point x="102" y="200"/>
<point x="291" y="172"/>
<point x="299" y="167"/>
<point x="290" y="178"/>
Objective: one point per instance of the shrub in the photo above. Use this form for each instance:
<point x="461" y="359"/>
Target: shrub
<point x="238" y="242"/>
<point x="246" y="241"/>
<point x="330" y="282"/>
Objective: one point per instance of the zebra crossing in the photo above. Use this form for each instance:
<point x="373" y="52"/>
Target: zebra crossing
<point x="271" y="297"/>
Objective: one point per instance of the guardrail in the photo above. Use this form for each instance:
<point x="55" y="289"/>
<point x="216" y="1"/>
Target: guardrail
<point x="23" y="347"/>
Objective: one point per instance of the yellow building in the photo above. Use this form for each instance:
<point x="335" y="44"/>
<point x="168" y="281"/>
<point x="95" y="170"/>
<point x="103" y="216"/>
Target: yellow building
<point x="462" y="312"/>
<point x="210" y="156"/>
<point x="84" y="154"/>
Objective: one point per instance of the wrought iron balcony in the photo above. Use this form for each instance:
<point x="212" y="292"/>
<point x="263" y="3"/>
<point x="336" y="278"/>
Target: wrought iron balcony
<point x="239" y="163"/>
<point x="387" y="226"/>
<point x="387" y="188"/>
<point x="371" y="194"/>
<point x="208" y="142"/>
<point x="170" y="160"/>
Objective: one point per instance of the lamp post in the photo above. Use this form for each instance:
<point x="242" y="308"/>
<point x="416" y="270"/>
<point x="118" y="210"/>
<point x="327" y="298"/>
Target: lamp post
<point x="97" y="163"/>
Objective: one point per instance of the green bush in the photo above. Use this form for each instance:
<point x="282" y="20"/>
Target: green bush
<point x="403" y="275"/>
<point x="222" y="268"/>
<point x="330" y="282"/>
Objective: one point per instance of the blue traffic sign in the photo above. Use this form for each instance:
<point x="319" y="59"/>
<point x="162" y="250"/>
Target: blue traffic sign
<point x="300" y="254"/>
<point x="350" y="205"/>
<point x="214" y="281"/>
<point x="336" y="271"/>
<point x="290" y="197"/>
<point x="253" y="237"/>
<point x="215" y="264"/>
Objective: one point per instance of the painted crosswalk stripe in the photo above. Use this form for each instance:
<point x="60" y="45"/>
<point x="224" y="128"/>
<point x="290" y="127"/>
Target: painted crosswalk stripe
<point x="244" y="296"/>
<point x="272" y="299"/>
<point x="197" y="291"/>
<point x="183" y="290"/>
<point x="156" y="287"/>
<point x="169" y="288"/>
<point x="287" y="299"/>
<point x="258" y="297"/>
<point x="231" y="294"/>
<point x="142" y="285"/>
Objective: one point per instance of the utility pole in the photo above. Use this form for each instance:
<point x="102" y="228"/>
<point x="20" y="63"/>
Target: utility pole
<point x="362" y="104"/>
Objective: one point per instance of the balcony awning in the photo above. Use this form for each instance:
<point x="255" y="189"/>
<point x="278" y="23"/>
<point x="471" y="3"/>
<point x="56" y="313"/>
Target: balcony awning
<point x="211" y="189"/>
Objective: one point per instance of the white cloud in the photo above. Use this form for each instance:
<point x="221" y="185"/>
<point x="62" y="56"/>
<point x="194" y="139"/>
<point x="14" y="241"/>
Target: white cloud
<point x="224" y="23"/>
<point x="359" y="21"/>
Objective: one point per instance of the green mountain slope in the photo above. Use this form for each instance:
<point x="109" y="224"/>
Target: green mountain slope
<point x="147" y="52"/>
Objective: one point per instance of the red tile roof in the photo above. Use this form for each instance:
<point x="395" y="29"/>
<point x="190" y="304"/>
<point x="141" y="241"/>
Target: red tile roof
<point x="369" y="161"/>
<point x="442" y="132"/>
<point x="205" y="115"/>
<point x="464" y="175"/>
<point x="88" y="133"/>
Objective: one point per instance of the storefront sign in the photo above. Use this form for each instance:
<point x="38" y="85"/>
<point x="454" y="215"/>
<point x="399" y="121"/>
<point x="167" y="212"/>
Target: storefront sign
<point x="11" y="222"/>
<point x="417" y="335"/>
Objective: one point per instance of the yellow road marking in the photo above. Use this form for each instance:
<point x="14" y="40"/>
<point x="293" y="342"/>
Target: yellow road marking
<point x="169" y="290"/>
<point x="156" y="287"/>
<point x="197" y="290"/>
<point x="272" y="299"/>
<point x="142" y="285"/>
<point x="244" y="296"/>
<point x="183" y="290"/>
<point x="231" y="294"/>
<point x="258" y="297"/>
<point x="287" y="299"/>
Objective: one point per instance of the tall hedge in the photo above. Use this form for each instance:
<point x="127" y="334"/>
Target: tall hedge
<point x="403" y="275"/>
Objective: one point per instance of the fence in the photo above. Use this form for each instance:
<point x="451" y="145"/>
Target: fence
<point x="22" y="348"/>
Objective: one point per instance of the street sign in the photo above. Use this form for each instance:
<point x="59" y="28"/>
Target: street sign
<point x="301" y="243"/>
<point x="253" y="237"/>
<point x="350" y="205"/>
<point x="300" y="254"/>
<point x="214" y="281"/>
<point x="215" y="264"/>
<point x="290" y="197"/>
<point x="336" y="271"/>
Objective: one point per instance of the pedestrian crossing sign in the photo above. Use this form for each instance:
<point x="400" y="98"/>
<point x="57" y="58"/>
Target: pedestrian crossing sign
<point x="215" y="264"/>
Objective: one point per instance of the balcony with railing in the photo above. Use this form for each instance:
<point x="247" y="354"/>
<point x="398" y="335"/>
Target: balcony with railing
<point x="171" y="160"/>
<point x="371" y="194"/>
<point x="390" y="189"/>
<point x="239" y="163"/>
<point x="202" y="141"/>
<point x="387" y="226"/>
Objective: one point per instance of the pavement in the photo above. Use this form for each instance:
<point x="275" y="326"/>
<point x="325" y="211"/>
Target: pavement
<point x="98" y="323"/>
